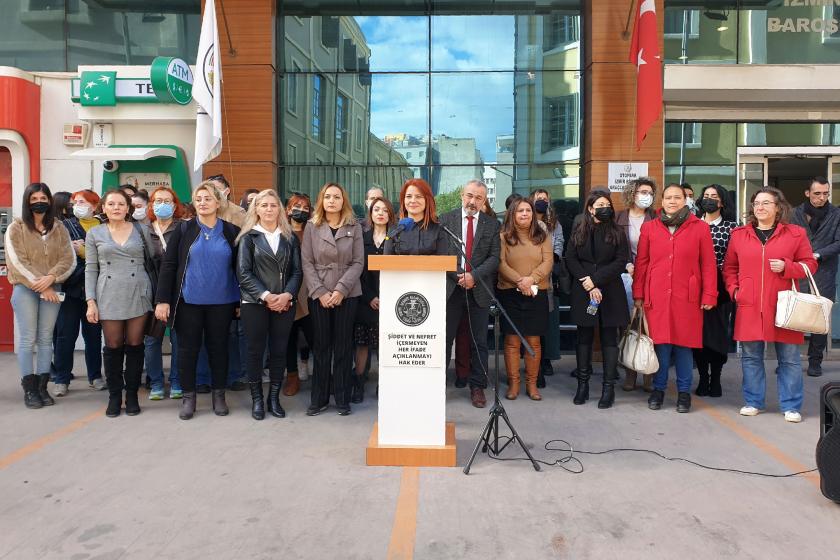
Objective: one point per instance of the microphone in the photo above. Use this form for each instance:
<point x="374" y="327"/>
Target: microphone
<point x="406" y="224"/>
<point x="451" y="234"/>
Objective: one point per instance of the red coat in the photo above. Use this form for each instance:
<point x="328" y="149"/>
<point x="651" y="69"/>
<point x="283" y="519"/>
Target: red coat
<point x="675" y="275"/>
<point x="747" y="269"/>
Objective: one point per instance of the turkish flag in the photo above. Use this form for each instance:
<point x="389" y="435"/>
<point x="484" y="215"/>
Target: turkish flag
<point x="644" y="53"/>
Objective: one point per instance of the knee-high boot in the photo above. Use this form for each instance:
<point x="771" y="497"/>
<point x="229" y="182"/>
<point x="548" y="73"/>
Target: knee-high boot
<point x="584" y="370"/>
<point x="610" y="354"/>
<point x="133" y="372"/>
<point x="512" y="366"/>
<point x="532" y="369"/>
<point x="112" y="360"/>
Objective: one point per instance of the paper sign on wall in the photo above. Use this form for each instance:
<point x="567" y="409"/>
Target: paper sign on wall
<point x="146" y="181"/>
<point x="621" y="173"/>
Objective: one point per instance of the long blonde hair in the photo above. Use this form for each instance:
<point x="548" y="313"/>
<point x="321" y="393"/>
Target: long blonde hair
<point x="319" y="216"/>
<point x="252" y="219"/>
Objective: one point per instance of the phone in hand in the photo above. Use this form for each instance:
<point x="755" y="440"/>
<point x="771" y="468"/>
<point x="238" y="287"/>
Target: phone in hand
<point x="60" y="296"/>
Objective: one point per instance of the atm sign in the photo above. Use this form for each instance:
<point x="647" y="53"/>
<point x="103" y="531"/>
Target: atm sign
<point x="172" y="80"/>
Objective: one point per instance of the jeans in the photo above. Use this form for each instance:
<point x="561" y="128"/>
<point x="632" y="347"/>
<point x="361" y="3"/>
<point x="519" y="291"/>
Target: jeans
<point x="154" y="362"/>
<point x="682" y="358"/>
<point x="237" y="347"/>
<point x="788" y="376"/>
<point x="34" y="320"/>
<point x="71" y="316"/>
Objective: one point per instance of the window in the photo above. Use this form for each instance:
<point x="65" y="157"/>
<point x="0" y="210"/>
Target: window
<point x="676" y="20"/>
<point x="676" y="133"/>
<point x="342" y="133"/>
<point x="292" y="93"/>
<point x="318" y="83"/>
<point x="359" y="135"/>
<point x="560" y="122"/>
<point x="559" y="29"/>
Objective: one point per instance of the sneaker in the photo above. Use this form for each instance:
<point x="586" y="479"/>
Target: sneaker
<point x="749" y="411"/>
<point x="176" y="393"/>
<point x="793" y="416"/>
<point x="60" y="389"/>
<point x="156" y="395"/>
<point x="303" y="370"/>
<point x="98" y="384"/>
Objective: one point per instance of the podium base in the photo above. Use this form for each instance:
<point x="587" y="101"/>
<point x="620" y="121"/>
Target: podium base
<point x="407" y="456"/>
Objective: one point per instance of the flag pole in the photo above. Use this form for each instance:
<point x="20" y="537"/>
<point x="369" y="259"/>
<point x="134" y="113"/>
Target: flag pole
<point x="231" y="50"/>
<point x="626" y="34"/>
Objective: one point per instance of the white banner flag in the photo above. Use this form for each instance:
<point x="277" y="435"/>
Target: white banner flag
<point x="207" y="90"/>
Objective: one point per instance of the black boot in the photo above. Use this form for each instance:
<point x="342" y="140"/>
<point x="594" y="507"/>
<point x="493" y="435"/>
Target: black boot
<point x="133" y="372"/>
<point x="187" y="405"/>
<point x="703" y="385"/>
<point x="46" y="399"/>
<point x="273" y="402"/>
<point x="540" y="380"/>
<point x="584" y="370"/>
<point x="257" y="404"/>
<point x="655" y="399"/>
<point x="607" y="395"/>
<point x="220" y="407"/>
<point x="112" y="360"/>
<point x="31" y="396"/>
<point x="714" y="382"/>
<point x="610" y="354"/>
<point x="546" y="368"/>
<point x="814" y="367"/>
<point x="358" y="394"/>
<point x="683" y="402"/>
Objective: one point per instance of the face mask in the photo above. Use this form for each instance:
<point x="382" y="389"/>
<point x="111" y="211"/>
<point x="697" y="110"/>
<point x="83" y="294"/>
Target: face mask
<point x="82" y="212"/>
<point x="541" y="206"/>
<point x="163" y="210"/>
<point x="39" y="207"/>
<point x="139" y="214"/>
<point x="691" y="204"/>
<point x="644" y="200"/>
<point x="604" y="214"/>
<point x="709" y="205"/>
<point x="300" y="216"/>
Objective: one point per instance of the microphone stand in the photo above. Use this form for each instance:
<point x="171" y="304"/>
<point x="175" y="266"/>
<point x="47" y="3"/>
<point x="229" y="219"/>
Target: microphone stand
<point x="490" y="434"/>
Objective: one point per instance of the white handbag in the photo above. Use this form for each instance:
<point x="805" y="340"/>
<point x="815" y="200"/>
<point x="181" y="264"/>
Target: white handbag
<point x="798" y="311"/>
<point x="636" y="351"/>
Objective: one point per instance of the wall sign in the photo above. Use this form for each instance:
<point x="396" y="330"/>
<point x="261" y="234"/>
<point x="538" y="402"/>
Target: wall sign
<point x="172" y="80"/>
<point x="146" y="181"/>
<point x="621" y="173"/>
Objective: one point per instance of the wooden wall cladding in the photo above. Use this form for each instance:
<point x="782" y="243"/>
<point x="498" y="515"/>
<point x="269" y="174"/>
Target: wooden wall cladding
<point x="248" y="94"/>
<point x="605" y="22"/>
<point x="242" y="176"/>
<point x="252" y="29"/>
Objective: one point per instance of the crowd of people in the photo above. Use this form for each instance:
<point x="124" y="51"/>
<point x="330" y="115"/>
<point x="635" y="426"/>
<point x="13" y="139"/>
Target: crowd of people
<point x="241" y="289"/>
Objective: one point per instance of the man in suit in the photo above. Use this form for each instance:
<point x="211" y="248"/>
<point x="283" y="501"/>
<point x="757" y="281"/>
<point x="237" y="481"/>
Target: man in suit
<point x="480" y="234"/>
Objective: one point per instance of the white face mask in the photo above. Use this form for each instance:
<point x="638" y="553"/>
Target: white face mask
<point x="644" y="200"/>
<point x="691" y="204"/>
<point x="82" y="211"/>
<point x="139" y="214"/>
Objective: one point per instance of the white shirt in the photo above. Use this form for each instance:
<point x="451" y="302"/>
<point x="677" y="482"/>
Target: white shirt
<point x="464" y="223"/>
<point x="273" y="238"/>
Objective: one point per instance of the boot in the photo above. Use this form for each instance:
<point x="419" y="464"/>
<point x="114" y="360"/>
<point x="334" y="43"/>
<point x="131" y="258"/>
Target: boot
<point x="703" y="385"/>
<point x="292" y="385"/>
<point x="133" y="372"/>
<point x="112" y="361"/>
<point x="220" y="407"/>
<point x="683" y="402"/>
<point x="31" y="395"/>
<point x="540" y="380"/>
<point x="655" y="399"/>
<point x="512" y="367"/>
<point x="546" y="368"/>
<point x="46" y="399"/>
<point x="714" y="382"/>
<point x="532" y="371"/>
<point x="647" y="383"/>
<point x="273" y="402"/>
<point x="607" y="395"/>
<point x="187" y="405"/>
<point x="610" y="354"/>
<point x="357" y="394"/>
<point x="257" y="405"/>
<point x="584" y="370"/>
<point x="815" y="367"/>
<point x="629" y="380"/>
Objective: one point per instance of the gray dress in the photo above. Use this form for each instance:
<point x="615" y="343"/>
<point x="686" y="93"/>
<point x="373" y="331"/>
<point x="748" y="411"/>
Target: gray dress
<point x="115" y="276"/>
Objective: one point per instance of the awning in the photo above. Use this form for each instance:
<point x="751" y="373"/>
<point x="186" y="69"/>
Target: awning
<point x="124" y="154"/>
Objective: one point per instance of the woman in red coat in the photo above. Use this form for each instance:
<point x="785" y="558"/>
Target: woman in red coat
<point x="675" y="281"/>
<point x="762" y="259"/>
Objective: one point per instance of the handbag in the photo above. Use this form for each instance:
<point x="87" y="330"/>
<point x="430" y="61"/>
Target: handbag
<point x="636" y="350"/>
<point x="801" y="312"/>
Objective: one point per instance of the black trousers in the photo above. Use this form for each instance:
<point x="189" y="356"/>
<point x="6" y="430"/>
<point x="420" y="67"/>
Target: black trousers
<point x="332" y="346"/>
<point x="263" y="325"/>
<point x="709" y="361"/>
<point x="586" y="336"/>
<point x="460" y="303"/>
<point x="302" y="325"/>
<point x="816" y="347"/>
<point x="208" y="323"/>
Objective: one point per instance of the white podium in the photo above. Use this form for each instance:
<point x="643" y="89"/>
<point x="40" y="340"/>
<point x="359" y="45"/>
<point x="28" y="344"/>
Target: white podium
<point x="412" y="428"/>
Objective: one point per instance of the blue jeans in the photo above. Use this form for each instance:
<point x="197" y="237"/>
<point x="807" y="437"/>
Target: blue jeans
<point x="34" y="320"/>
<point x="788" y="378"/>
<point x="682" y="358"/>
<point x="154" y="362"/>
<point x="237" y="347"/>
<point x="71" y="316"/>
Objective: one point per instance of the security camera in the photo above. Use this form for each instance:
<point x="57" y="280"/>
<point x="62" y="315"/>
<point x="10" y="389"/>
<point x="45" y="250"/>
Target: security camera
<point x="110" y="166"/>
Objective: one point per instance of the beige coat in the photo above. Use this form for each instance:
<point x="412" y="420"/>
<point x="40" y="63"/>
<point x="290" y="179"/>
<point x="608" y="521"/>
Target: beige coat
<point x="333" y="263"/>
<point x="232" y="213"/>
<point x="29" y="256"/>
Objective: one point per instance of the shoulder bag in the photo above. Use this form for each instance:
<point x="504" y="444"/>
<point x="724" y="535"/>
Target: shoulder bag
<point x="807" y="313"/>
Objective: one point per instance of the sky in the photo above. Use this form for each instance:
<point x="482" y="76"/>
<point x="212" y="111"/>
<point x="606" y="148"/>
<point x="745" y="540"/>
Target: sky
<point x="467" y="101"/>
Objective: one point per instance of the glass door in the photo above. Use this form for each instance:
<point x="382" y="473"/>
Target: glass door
<point x="752" y="175"/>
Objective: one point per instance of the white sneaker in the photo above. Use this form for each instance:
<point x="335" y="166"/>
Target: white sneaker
<point x="793" y="416"/>
<point x="60" y="389"/>
<point x="749" y="411"/>
<point x="303" y="370"/>
<point x="98" y="384"/>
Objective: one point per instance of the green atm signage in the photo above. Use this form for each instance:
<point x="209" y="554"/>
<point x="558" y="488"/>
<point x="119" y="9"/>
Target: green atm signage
<point x="172" y="80"/>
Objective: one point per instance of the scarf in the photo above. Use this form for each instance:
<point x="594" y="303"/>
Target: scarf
<point x="817" y="215"/>
<point x="676" y="219"/>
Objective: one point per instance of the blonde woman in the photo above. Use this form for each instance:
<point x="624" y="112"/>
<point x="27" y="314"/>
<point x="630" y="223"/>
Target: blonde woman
<point x="198" y="294"/>
<point x="333" y="259"/>
<point x="269" y="272"/>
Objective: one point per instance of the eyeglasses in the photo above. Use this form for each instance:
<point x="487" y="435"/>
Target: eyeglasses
<point x="763" y="204"/>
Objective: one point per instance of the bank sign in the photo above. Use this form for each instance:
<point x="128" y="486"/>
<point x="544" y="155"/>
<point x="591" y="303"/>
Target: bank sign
<point x="170" y="81"/>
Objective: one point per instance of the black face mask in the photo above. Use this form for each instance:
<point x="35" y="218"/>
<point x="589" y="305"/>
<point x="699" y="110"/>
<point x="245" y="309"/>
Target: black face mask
<point x="541" y="206"/>
<point x="300" y="216"/>
<point x="39" y="207"/>
<point x="604" y="214"/>
<point x="709" y="205"/>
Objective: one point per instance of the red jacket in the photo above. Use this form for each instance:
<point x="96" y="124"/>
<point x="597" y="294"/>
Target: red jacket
<point x="747" y="269"/>
<point x="675" y="275"/>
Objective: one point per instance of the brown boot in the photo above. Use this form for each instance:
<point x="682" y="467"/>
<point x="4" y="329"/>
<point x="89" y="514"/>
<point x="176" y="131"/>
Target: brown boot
<point x="512" y="366"/>
<point x="629" y="380"/>
<point x="647" y="383"/>
<point x="532" y="369"/>
<point x="292" y="385"/>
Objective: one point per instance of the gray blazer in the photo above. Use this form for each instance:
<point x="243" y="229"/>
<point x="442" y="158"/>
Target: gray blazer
<point x="333" y="263"/>
<point x="485" y="253"/>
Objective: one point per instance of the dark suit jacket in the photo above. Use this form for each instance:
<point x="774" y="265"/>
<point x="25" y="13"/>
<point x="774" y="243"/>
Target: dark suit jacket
<point x="485" y="253"/>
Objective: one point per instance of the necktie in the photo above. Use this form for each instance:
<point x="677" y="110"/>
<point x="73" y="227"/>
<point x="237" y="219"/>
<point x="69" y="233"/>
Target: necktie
<point x="469" y="243"/>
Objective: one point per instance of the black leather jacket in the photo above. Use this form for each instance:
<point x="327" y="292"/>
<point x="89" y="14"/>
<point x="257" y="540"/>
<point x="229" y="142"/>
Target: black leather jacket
<point x="259" y="269"/>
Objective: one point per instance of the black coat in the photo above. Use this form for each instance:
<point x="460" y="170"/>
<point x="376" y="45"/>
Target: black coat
<point x="418" y="241"/>
<point x="365" y="314"/>
<point x="825" y="242"/>
<point x="604" y="263"/>
<point x="259" y="269"/>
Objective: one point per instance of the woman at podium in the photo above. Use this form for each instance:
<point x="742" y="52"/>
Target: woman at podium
<point x="424" y="236"/>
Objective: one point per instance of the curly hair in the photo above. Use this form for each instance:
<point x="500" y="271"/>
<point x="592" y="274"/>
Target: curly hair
<point x="628" y="196"/>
